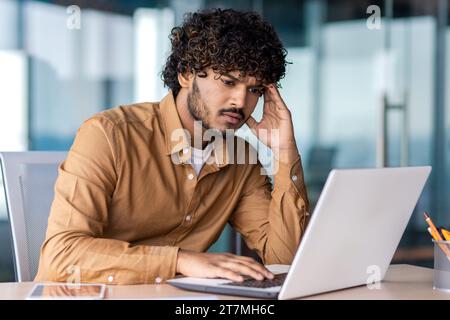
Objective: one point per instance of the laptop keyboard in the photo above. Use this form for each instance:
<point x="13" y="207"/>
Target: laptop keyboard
<point x="277" y="280"/>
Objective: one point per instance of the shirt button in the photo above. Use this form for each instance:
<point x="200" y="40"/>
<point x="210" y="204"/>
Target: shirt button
<point x="158" y="280"/>
<point x="188" y="217"/>
<point x="294" y="178"/>
<point x="190" y="176"/>
<point x="110" y="279"/>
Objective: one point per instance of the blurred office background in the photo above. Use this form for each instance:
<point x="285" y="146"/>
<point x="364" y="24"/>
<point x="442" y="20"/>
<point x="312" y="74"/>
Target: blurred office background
<point x="364" y="92"/>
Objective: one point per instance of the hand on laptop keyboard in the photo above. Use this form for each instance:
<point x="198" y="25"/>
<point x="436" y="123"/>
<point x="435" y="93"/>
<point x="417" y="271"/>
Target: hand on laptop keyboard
<point x="266" y="283"/>
<point x="224" y="265"/>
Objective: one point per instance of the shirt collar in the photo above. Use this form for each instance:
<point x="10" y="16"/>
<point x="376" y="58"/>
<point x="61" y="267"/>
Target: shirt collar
<point x="176" y="140"/>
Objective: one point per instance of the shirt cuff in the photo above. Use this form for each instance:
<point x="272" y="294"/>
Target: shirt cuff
<point x="161" y="264"/>
<point x="289" y="176"/>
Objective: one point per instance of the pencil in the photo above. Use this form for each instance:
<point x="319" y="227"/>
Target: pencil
<point x="436" y="236"/>
<point x="445" y="234"/>
<point x="432" y="226"/>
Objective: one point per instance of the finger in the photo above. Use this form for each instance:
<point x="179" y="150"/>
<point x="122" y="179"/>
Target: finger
<point x="270" y="104"/>
<point x="275" y="96"/>
<point x="252" y="263"/>
<point x="242" y="268"/>
<point x="228" y="274"/>
<point x="246" y="269"/>
<point x="259" y="269"/>
<point x="274" y="92"/>
<point x="267" y="95"/>
<point x="256" y="266"/>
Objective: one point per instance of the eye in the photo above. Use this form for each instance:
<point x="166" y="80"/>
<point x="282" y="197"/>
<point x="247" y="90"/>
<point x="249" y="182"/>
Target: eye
<point x="257" y="91"/>
<point x="227" y="82"/>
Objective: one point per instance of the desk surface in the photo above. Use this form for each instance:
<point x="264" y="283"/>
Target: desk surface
<point x="401" y="282"/>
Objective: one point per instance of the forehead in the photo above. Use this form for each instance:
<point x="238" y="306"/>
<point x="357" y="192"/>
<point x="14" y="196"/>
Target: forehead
<point x="238" y="75"/>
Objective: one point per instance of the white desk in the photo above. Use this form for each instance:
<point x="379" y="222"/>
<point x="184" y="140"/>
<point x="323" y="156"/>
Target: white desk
<point x="401" y="282"/>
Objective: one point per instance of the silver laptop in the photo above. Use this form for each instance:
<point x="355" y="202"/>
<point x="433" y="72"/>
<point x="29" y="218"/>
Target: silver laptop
<point x="351" y="238"/>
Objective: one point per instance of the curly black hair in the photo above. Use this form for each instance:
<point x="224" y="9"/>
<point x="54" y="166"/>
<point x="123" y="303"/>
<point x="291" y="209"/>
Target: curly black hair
<point x="225" y="40"/>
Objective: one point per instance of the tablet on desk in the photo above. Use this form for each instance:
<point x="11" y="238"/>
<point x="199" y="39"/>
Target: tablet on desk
<point x="67" y="291"/>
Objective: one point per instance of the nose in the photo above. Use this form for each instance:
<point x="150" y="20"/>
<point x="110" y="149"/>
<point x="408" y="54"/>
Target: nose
<point x="238" y="98"/>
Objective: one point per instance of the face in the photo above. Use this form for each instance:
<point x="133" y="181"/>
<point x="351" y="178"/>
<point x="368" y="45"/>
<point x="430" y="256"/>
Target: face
<point x="223" y="101"/>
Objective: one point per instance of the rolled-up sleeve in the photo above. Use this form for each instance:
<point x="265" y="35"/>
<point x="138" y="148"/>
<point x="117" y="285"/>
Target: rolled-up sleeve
<point x="75" y="247"/>
<point x="273" y="220"/>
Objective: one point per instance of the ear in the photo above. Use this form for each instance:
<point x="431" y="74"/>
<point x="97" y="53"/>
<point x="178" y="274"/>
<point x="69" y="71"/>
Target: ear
<point x="185" y="79"/>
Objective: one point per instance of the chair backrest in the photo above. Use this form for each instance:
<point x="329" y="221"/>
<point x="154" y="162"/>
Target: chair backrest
<point x="29" y="179"/>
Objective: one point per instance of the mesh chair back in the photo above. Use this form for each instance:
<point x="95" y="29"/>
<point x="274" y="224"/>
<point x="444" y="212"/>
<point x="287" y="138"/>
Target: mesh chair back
<point x="29" y="179"/>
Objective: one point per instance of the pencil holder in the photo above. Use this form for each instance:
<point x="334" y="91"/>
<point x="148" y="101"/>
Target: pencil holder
<point x="441" y="279"/>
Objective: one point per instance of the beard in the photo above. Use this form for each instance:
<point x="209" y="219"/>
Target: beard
<point x="201" y="112"/>
<point x="197" y="108"/>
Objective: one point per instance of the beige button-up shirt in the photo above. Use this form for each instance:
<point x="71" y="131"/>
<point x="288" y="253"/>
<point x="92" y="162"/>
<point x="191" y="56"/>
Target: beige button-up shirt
<point x="123" y="207"/>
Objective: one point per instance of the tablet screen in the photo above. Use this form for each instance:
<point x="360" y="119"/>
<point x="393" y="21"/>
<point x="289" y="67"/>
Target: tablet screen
<point x="67" y="291"/>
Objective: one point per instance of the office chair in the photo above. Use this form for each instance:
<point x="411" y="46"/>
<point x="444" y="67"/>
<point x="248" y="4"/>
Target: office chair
<point x="29" y="179"/>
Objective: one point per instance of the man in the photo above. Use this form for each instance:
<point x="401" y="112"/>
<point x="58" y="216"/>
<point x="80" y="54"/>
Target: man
<point x="138" y="202"/>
